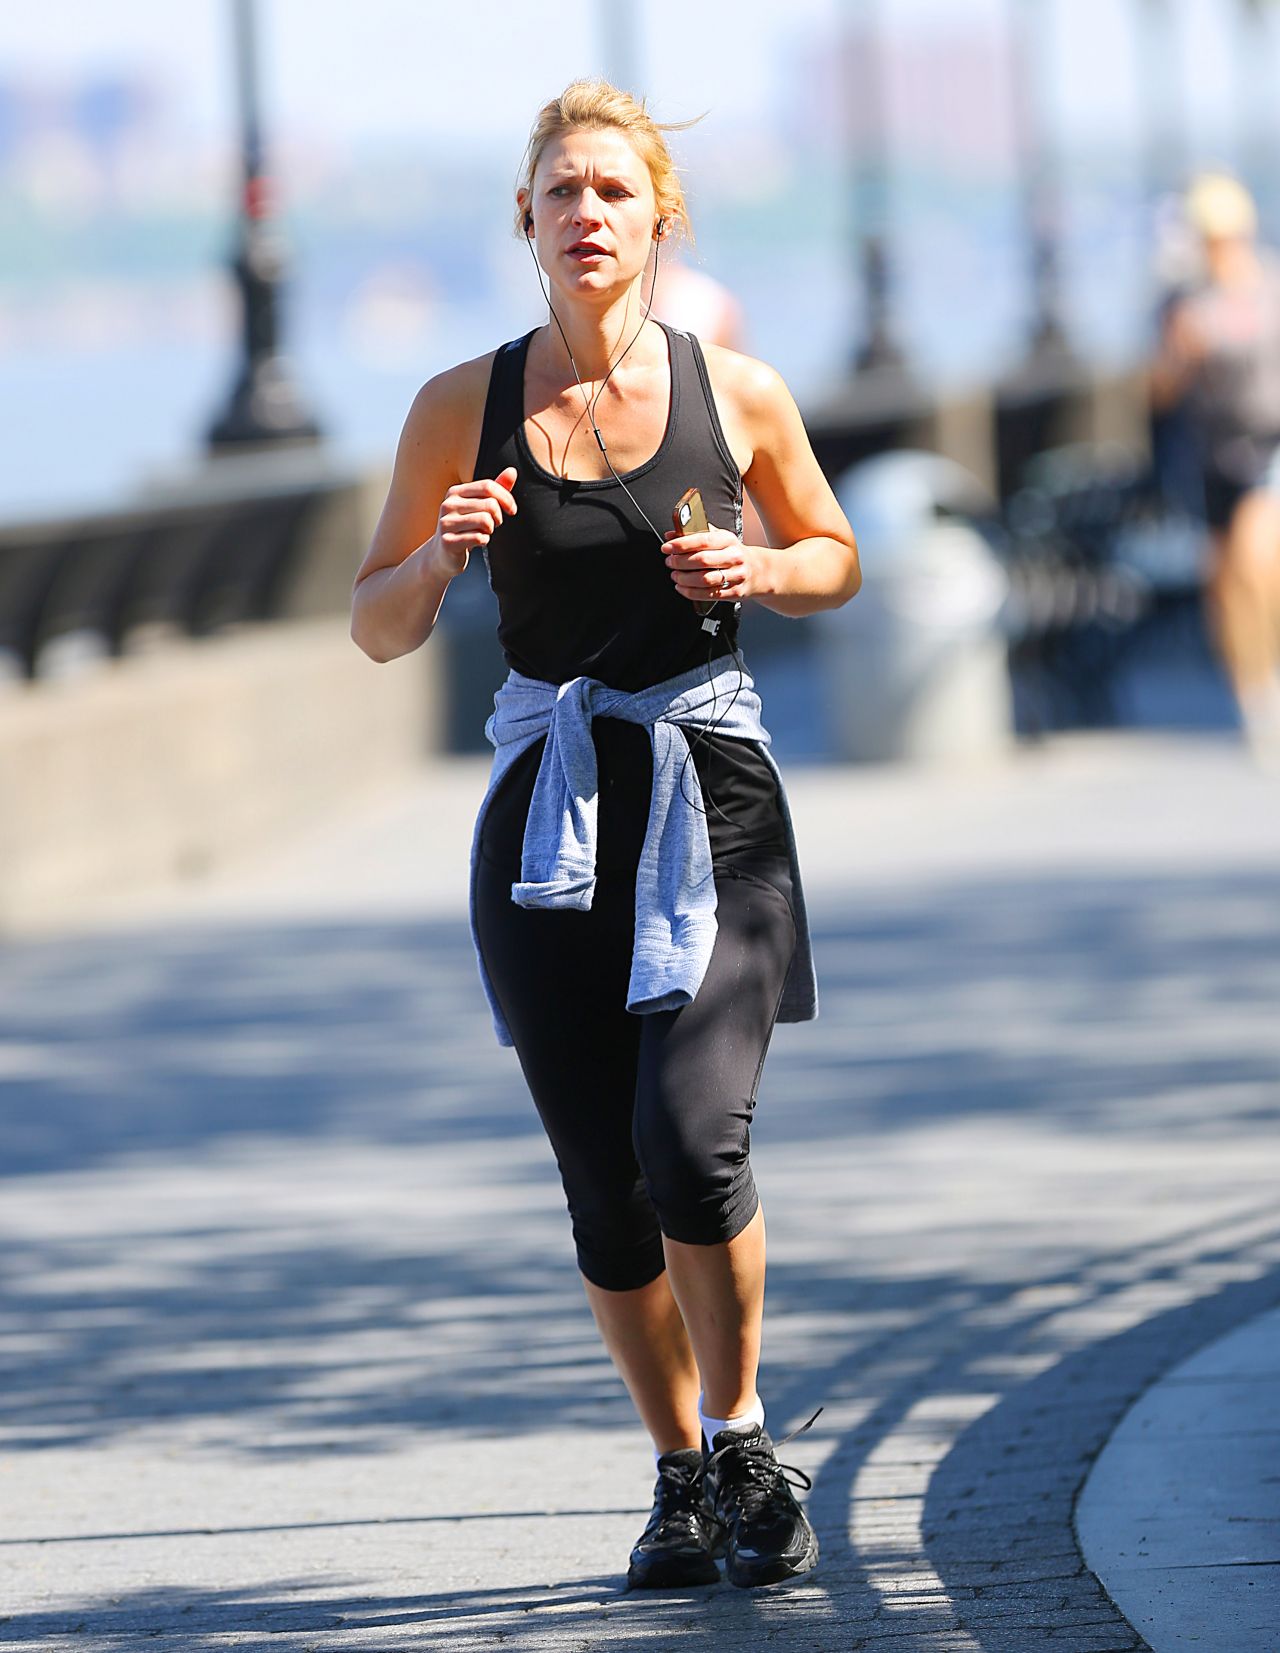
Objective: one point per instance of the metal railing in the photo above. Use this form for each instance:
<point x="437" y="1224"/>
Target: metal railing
<point x="189" y="561"/>
<point x="1103" y="571"/>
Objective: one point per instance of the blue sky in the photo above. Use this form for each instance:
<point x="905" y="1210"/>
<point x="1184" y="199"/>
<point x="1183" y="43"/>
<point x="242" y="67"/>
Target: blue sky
<point x="416" y="75"/>
<point x="405" y="69"/>
<point x="396" y="68"/>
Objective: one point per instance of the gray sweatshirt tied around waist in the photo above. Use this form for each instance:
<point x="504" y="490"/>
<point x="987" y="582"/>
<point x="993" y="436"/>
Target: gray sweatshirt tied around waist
<point x="675" y="889"/>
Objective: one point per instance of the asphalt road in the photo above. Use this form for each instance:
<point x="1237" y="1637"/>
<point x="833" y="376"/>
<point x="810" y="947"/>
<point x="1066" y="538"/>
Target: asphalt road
<point x="295" y="1355"/>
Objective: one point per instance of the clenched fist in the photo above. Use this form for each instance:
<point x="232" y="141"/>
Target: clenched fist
<point x="468" y="516"/>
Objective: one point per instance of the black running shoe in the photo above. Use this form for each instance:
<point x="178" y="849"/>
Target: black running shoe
<point x="679" y="1544"/>
<point x="766" y="1533"/>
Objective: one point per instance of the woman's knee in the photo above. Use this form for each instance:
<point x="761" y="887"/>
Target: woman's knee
<point x="616" y="1235"/>
<point x="697" y="1169"/>
<point x="710" y="1215"/>
<point x="699" y="1068"/>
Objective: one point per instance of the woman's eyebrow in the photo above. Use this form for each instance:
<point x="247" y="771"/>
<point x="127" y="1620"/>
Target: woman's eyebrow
<point x="602" y="177"/>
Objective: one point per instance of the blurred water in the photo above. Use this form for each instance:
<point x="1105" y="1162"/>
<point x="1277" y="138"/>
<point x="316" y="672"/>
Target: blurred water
<point x="84" y="419"/>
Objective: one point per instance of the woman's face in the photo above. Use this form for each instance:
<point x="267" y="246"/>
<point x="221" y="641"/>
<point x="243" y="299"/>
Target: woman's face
<point x="593" y="212"/>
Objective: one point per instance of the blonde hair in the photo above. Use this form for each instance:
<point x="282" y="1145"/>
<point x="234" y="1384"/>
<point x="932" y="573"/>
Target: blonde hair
<point x="1220" y="207"/>
<point x="599" y="106"/>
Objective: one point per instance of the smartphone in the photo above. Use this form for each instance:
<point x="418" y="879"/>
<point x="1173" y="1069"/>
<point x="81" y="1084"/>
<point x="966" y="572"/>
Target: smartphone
<point x="690" y="517"/>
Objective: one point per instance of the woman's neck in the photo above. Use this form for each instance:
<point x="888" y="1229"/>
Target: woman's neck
<point x="597" y="337"/>
<point x="1235" y="264"/>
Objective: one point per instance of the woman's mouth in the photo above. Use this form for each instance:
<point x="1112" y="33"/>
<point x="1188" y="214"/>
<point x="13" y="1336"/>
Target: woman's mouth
<point x="585" y="251"/>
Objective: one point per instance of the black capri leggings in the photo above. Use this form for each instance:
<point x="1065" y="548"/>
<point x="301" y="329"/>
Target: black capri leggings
<point x="649" y="1116"/>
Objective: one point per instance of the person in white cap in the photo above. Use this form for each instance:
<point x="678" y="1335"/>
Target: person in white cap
<point x="1219" y="357"/>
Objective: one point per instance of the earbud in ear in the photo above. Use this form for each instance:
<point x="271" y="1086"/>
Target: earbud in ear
<point x="660" y="228"/>
<point x="528" y="223"/>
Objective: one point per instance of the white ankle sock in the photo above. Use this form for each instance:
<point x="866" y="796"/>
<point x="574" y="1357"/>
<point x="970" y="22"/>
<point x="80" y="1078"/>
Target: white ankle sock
<point x="711" y="1427"/>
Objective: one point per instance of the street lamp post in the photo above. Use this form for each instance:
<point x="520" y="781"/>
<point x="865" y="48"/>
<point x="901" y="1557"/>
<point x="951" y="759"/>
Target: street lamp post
<point x="265" y="408"/>
<point x="1042" y="183"/>
<point x="878" y="350"/>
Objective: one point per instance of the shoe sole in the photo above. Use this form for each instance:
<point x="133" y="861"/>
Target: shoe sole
<point x="748" y="1576"/>
<point x="675" y="1573"/>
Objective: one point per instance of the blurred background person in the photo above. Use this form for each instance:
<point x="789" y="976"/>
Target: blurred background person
<point x="1219" y="360"/>
<point x="696" y="302"/>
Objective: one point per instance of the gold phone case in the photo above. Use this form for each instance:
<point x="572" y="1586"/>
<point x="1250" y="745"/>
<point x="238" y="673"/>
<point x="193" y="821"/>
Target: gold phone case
<point x="690" y="517"/>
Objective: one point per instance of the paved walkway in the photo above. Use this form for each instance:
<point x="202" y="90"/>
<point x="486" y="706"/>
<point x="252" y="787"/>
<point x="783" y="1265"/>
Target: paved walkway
<point x="1180" y="1516"/>
<point x="295" y="1354"/>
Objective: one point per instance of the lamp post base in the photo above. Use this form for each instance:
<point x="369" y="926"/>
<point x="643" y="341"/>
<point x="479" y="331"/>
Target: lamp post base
<point x="265" y="409"/>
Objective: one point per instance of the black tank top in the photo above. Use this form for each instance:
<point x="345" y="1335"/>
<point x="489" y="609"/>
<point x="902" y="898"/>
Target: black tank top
<point x="582" y="586"/>
<point x="583" y="591"/>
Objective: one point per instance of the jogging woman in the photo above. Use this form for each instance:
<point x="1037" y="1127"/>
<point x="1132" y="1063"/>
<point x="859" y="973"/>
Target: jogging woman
<point x="636" y="902"/>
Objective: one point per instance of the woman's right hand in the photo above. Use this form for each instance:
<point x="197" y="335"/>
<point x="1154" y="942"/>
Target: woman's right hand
<point x="470" y="513"/>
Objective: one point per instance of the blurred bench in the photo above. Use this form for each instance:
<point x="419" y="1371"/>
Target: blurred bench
<point x="1102" y="570"/>
<point x="255" y="538"/>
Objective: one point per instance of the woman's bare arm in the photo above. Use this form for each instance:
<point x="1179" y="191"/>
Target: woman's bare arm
<point x="812" y="562"/>
<point x="432" y="519"/>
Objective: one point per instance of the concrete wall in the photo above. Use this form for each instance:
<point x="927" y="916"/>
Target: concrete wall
<point x="333" y="545"/>
<point x="158" y="766"/>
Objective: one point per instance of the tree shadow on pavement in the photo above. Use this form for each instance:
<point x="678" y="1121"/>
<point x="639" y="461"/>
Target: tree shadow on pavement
<point x="172" y="1040"/>
<point x="1103" y="1008"/>
<point x="543" y="1618"/>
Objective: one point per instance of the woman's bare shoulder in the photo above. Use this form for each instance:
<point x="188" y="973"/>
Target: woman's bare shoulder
<point x="752" y="384"/>
<point x="454" y="389"/>
<point x="448" y="410"/>
<point x="753" y="395"/>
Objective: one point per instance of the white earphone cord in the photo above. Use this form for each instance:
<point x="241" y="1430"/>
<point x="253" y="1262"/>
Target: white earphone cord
<point x="590" y="403"/>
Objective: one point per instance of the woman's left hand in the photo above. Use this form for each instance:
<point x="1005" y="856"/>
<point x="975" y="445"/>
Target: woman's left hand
<point x="715" y="566"/>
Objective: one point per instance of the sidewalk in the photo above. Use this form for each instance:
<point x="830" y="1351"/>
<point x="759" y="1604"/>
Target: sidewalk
<point x="1181" y="1514"/>
<point x="296" y="1355"/>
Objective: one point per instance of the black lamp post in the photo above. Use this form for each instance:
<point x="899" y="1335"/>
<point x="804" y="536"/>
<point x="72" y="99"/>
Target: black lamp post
<point x="1042" y="186"/>
<point x="265" y="408"/>
<point x="878" y="350"/>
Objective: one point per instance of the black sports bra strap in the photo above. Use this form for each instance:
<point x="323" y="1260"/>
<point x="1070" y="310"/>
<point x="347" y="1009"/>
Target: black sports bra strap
<point x="503" y="406"/>
<point x="713" y="413"/>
